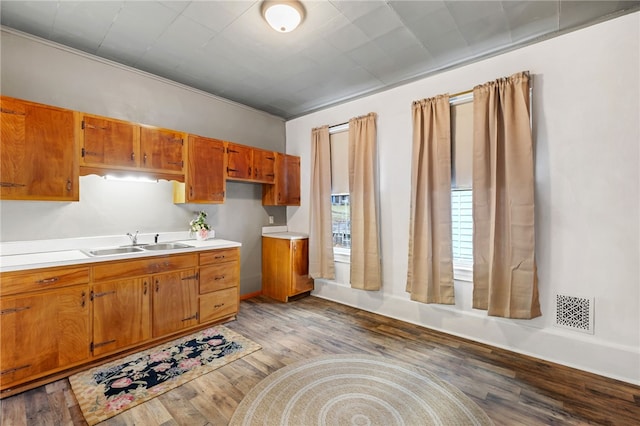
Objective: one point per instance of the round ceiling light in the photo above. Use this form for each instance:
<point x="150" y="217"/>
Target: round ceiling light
<point x="283" y="16"/>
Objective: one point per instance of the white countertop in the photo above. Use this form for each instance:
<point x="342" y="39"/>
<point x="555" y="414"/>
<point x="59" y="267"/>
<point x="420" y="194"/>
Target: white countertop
<point x="282" y="232"/>
<point x="286" y="235"/>
<point x="25" y="255"/>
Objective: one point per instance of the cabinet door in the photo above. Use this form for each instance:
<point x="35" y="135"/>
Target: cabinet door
<point x="286" y="188"/>
<point x="161" y="149"/>
<point x="205" y="174"/>
<point x="121" y="315"/>
<point x="175" y="301"/>
<point x="239" y="160"/>
<point x="264" y="163"/>
<point x="42" y="332"/>
<point x="300" y="281"/>
<point x="108" y="142"/>
<point x="276" y="268"/>
<point x="292" y="184"/>
<point x="38" y="149"/>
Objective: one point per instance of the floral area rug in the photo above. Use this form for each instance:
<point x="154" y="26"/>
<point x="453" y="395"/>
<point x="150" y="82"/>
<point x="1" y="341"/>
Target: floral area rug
<point x="112" y="388"/>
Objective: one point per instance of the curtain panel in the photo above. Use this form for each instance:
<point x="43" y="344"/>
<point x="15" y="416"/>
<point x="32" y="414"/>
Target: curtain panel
<point x="320" y="233"/>
<point x="504" y="264"/>
<point x="430" y="271"/>
<point x="363" y="195"/>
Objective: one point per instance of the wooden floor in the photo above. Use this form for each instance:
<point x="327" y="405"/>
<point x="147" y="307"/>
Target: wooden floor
<point x="511" y="388"/>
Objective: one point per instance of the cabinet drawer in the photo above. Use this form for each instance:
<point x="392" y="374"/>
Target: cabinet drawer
<point x="133" y="268"/>
<point x="217" y="277"/>
<point x="218" y="256"/>
<point x="218" y="304"/>
<point x="43" y="279"/>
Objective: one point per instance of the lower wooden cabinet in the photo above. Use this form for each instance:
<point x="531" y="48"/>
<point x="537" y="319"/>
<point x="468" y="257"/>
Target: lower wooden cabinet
<point x="121" y="314"/>
<point x="43" y="332"/>
<point x="219" y="289"/>
<point x="218" y="304"/>
<point x="175" y="302"/>
<point x="55" y="319"/>
<point x="285" y="267"/>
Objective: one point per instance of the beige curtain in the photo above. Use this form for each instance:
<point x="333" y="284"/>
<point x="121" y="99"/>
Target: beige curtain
<point x="320" y="234"/>
<point x="504" y="265"/>
<point x="430" y="272"/>
<point x="365" y="243"/>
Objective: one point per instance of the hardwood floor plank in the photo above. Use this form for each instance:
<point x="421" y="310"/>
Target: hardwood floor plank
<point x="13" y="411"/>
<point x="513" y="389"/>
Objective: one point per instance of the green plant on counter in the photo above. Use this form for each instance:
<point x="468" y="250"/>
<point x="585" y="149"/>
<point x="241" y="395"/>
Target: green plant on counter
<point x="199" y="223"/>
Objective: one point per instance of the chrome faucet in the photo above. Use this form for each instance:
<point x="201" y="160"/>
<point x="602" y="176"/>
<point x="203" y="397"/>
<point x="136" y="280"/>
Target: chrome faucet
<point x="134" y="238"/>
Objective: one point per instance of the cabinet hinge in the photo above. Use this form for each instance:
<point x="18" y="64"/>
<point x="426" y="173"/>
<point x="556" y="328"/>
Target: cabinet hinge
<point x="82" y="125"/>
<point x="91" y="298"/>
<point x="83" y="148"/>
<point x="91" y="347"/>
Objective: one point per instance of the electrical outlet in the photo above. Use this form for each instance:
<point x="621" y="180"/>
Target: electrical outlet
<point x="270" y="220"/>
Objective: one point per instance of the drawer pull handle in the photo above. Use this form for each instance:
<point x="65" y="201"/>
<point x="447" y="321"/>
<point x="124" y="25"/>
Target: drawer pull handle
<point x="219" y="277"/>
<point x="13" y="370"/>
<point x="194" y="316"/>
<point x="108" y="342"/>
<point x="14" y="310"/>
<point x="219" y="305"/>
<point x="48" y="280"/>
<point x="191" y="277"/>
<point x="104" y="293"/>
<point x="11" y="185"/>
<point x="219" y="256"/>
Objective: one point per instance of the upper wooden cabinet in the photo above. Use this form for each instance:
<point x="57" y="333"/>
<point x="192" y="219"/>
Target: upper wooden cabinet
<point x="286" y="189"/>
<point x="109" y="142"/>
<point x="250" y="164"/>
<point x="162" y="149"/>
<point x="110" y="146"/>
<point x="264" y="165"/>
<point x="38" y="146"/>
<point x="239" y="161"/>
<point x="204" y="179"/>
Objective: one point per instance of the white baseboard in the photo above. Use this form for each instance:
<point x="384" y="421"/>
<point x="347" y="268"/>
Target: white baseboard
<point x="576" y="350"/>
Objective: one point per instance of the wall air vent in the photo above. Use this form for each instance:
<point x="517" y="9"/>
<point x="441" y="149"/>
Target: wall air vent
<point x="575" y="313"/>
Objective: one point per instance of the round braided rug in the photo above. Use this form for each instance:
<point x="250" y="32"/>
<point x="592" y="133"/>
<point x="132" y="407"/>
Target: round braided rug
<point x="355" y="390"/>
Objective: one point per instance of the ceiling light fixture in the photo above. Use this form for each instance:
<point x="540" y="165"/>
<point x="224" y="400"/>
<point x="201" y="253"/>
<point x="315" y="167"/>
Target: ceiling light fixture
<point x="283" y="16"/>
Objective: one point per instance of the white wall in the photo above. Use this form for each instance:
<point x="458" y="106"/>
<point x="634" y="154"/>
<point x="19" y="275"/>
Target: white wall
<point x="586" y="128"/>
<point x="48" y="73"/>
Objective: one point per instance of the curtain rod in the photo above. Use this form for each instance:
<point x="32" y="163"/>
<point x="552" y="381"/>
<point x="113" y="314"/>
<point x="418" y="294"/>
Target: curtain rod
<point x="339" y="127"/>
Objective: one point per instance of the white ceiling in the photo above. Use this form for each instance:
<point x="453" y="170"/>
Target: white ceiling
<point x="342" y="50"/>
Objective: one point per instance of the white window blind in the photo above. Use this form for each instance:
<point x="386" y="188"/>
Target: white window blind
<point x="462" y="145"/>
<point x="462" y="225"/>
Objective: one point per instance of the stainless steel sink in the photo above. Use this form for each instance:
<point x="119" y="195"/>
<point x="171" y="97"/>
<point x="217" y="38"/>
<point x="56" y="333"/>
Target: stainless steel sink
<point x="115" y="250"/>
<point x="166" y="246"/>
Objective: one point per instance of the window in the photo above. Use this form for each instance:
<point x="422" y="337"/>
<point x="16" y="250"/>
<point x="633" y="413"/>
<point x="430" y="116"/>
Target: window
<point x="461" y="180"/>
<point x="462" y="224"/>
<point x="340" y="207"/>
<point x="341" y="221"/>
